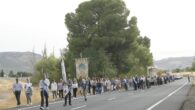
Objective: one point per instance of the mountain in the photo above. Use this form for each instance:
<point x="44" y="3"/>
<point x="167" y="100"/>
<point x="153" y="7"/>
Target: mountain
<point x="18" y="61"/>
<point x="23" y="62"/>
<point x="175" y="62"/>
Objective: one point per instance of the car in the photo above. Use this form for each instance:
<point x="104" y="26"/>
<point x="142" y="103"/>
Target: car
<point x="177" y="77"/>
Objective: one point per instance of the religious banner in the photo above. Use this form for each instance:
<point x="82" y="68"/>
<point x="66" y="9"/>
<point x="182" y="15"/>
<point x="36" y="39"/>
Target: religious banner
<point x="81" y="67"/>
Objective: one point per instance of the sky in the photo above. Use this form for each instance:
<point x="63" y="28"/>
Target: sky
<point x="30" y="24"/>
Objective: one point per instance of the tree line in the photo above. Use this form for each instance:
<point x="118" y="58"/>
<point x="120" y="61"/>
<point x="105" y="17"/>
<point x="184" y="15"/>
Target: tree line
<point x="187" y="69"/>
<point x="17" y="74"/>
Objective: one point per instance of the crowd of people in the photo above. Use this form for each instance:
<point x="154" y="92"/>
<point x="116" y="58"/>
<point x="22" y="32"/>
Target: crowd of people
<point x="72" y="87"/>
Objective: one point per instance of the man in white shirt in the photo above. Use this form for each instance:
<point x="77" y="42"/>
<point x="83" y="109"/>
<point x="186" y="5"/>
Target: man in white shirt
<point x="60" y="89"/>
<point x="17" y="87"/>
<point x="44" y="88"/>
<point x="54" y="89"/>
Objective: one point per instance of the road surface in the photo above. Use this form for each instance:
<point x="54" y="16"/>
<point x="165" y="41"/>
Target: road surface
<point x="164" y="97"/>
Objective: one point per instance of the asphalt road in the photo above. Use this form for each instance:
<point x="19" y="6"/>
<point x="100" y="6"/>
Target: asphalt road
<point x="164" y="97"/>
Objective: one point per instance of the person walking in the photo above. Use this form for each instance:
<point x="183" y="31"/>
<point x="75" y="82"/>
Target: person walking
<point x="84" y="88"/>
<point x="67" y="91"/>
<point x="89" y="85"/>
<point x="44" y="84"/>
<point x="60" y="89"/>
<point x="28" y="91"/>
<point x="54" y="89"/>
<point x="125" y="84"/>
<point x="99" y="86"/>
<point x="75" y="88"/>
<point x="135" y="83"/>
<point x="188" y="78"/>
<point x="17" y="88"/>
<point x="93" y="84"/>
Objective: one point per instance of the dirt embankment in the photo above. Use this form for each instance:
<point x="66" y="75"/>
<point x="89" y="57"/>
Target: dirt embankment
<point x="189" y="104"/>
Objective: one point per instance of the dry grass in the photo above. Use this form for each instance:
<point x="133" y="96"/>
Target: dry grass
<point x="7" y="98"/>
<point x="192" y="74"/>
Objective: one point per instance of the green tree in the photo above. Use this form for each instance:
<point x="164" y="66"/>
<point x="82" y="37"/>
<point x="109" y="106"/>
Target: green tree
<point x="177" y="70"/>
<point x="100" y="30"/>
<point x="11" y="74"/>
<point x="188" y="69"/>
<point x="49" y="65"/>
<point x="2" y="73"/>
<point x="160" y="72"/>
<point x="24" y="74"/>
<point x="193" y="66"/>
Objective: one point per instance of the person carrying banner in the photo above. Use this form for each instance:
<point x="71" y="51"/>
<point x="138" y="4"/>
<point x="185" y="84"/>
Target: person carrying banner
<point x="67" y="92"/>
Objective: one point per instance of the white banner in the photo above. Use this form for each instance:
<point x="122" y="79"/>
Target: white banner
<point x="63" y="70"/>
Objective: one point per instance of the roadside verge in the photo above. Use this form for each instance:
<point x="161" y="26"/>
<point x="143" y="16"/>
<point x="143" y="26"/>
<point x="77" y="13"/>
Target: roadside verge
<point x="189" y="103"/>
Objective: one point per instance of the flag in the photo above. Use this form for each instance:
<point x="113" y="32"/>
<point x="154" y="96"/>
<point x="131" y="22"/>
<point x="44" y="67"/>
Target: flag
<point x="63" y="70"/>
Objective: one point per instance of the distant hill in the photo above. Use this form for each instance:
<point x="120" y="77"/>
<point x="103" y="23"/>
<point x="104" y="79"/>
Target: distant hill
<point x="175" y="62"/>
<point x="23" y="62"/>
<point x="18" y="61"/>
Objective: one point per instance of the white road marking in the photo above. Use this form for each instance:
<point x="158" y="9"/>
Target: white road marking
<point x="26" y="108"/>
<point x="78" y="107"/>
<point x="39" y="105"/>
<point x="29" y="107"/>
<point x="160" y="101"/>
<point x="51" y="103"/>
<point x="111" y="99"/>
